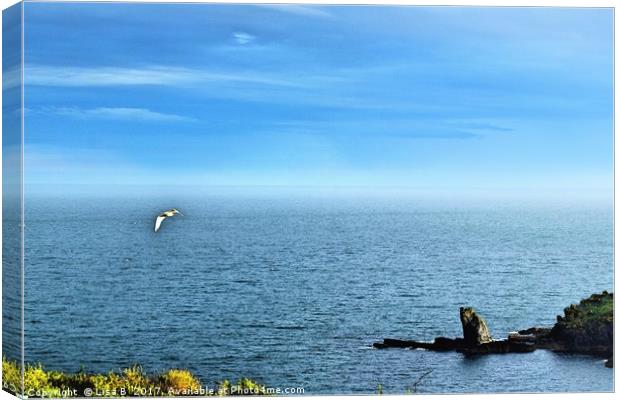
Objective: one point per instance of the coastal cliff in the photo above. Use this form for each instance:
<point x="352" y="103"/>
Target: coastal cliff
<point x="587" y="327"/>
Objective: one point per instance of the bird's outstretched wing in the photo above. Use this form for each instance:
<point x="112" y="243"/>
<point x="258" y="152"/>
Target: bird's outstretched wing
<point x="158" y="222"/>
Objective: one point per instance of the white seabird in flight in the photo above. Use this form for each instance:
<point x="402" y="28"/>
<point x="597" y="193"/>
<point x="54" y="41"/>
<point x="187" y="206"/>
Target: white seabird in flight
<point x="164" y="215"/>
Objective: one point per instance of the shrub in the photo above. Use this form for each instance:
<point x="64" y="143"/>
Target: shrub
<point x="243" y="387"/>
<point x="177" y="381"/>
<point x="131" y="381"/>
<point x="11" y="376"/>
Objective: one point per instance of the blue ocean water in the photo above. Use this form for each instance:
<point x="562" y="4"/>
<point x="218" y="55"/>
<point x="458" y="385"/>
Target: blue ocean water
<point x="292" y="292"/>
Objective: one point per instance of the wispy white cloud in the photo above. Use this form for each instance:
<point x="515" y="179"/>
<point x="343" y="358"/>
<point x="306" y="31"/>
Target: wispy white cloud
<point x="341" y="88"/>
<point x="243" y="38"/>
<point x="402" y="129"/>
<point x="307" y="11"/>
<point x="46" y="75"/>
<point x="124" y="113"/>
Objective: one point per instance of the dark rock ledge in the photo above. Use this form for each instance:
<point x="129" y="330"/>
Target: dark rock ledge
<point x="586" y="328"/>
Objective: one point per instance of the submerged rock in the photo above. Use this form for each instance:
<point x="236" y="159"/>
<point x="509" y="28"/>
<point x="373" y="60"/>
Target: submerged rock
<point x="475" y="330"/>
<point x="499" y="346"/>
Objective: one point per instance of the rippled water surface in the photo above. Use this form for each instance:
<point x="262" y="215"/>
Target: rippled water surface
<point x="293" y="293"/>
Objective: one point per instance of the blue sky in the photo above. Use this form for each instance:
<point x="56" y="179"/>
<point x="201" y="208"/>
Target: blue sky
<point x="441" y="100"/>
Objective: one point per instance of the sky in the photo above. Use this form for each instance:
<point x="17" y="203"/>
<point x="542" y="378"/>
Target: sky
<point x="445" y="100"/>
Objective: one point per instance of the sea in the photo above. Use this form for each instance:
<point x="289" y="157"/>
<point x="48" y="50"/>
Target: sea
<point x="293" y="291"/>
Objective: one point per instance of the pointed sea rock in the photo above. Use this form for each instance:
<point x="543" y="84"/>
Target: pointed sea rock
<point x="475" y="331"/>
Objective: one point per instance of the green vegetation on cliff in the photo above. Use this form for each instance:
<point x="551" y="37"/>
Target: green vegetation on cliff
<point x="587" y="326"/>
<point x="598" y="308"/>
<point x="133" y="381"/>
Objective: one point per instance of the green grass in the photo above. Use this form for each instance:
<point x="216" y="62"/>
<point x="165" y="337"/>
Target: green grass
<point x="598" y="308"/>
<point x="133" y="381"/>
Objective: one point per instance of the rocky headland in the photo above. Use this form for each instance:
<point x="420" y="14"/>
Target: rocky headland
<point x="585" y="328"/>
